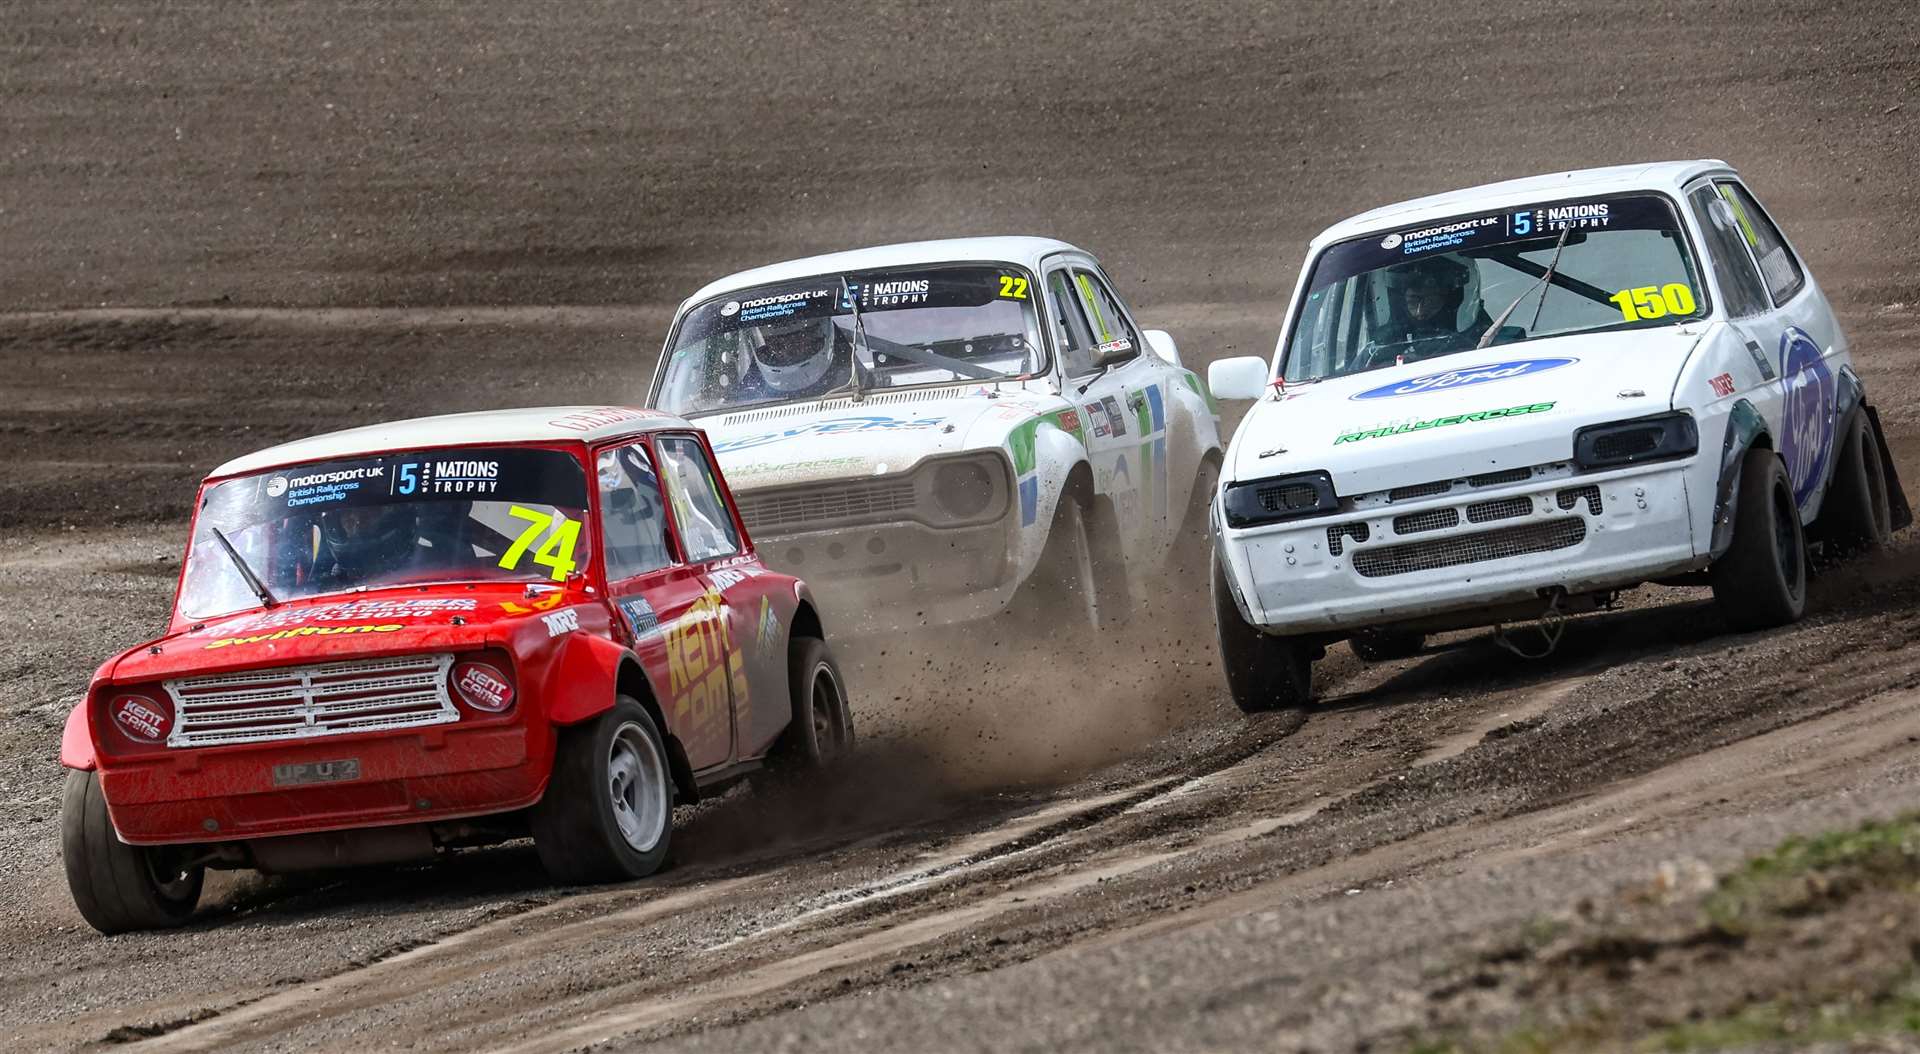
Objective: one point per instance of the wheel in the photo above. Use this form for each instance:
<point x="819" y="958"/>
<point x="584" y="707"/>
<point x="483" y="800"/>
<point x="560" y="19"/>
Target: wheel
<point x="1263" y="672"/>
<point x="608" y="811"/>
<point x="1068" y="589"/>
<point x="120" y="887"/>
<point x="1761" y="581"/>
<point x="1856" y="517"/>
<point x="822" y="728"/>
<point x="1387" y="645"/>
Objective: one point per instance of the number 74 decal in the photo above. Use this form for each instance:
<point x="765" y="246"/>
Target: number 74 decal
<point x="556" y="552"/>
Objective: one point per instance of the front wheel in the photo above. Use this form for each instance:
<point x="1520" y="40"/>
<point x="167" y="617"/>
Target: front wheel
<point x="120" y="887"/>
<point x="608" y="811"/>
<point x="1074" y="590"/>
<point x="1263" y="672"/>
<point x="1761" y="581"/>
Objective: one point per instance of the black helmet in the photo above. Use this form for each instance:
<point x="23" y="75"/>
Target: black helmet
<point x="1439" y="284"/>
<point x="1445" y="273"/>
<point x="371" y="539"/>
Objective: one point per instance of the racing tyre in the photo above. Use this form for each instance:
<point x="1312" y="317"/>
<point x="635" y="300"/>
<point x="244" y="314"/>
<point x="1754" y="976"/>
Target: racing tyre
<point x="1856" y="517"/>
<point x="822" y="729"/>
<point x="120" y="887"/>
<point x="1263" y="672"/>
<point x="1387" y="645"/>
<point x="1071" y="590"/>
<point x="1761" y="582"/>
<point x="1193" y="546"/>
<point x="608" y="811"/>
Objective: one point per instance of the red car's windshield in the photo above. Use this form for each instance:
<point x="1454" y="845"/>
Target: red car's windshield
<point x="393" y="519"/>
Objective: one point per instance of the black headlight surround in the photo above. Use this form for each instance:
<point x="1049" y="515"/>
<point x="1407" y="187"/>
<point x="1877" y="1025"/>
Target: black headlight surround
<point x="1280" y="498"/>
<point x="1636" y="441"/>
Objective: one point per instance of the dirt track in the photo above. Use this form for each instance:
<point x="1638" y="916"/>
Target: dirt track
<point x="1041" y="861"/>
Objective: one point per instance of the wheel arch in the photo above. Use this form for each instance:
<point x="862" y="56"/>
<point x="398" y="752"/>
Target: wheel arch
<point x="1746" y="430"/>
<point x="591" y="672"/>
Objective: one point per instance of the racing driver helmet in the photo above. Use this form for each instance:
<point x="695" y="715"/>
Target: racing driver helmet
<point x="1427" y="294"/>
<point x="794" y="355"/>
<point x="371" y="540"/>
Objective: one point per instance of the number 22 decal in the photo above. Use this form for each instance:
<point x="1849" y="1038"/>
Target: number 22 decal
<point x="1013" y="288"/>
<point x="1654" y="301"/>
<point x="556" y="552"/>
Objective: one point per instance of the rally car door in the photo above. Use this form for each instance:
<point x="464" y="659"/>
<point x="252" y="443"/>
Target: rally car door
<point x="711" y="538"/>
<point x="666" y="609"/>
<point x="1790" y="332"/>
<point x="1124" y="412"/>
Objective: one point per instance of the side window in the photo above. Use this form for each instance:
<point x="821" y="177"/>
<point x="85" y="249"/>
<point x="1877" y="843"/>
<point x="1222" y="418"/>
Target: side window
<point x="706" y="530"/>
<point x="1111" y="330"/>
<point x="633" y="522"/>
<point x="1777" y="265"/>
<point x="1070" y="325"/>
<point x="1732" y="267"/>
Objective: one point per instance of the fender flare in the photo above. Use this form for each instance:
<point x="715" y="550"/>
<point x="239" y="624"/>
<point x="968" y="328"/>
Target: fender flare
<point x="1745" y="428"/>
<point x="587" y="661"/>
<point x="76" y="740"/>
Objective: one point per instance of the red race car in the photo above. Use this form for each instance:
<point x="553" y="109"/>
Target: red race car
<point x="447" y="631"/>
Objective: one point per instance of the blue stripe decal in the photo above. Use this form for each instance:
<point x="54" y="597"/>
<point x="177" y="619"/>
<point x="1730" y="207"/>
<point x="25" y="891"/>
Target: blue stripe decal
<point x="1153" y="404"/>
<point x="1029" y="500"/>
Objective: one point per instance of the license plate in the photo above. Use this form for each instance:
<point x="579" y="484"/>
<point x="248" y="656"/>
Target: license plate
<point x="316" y="772"/>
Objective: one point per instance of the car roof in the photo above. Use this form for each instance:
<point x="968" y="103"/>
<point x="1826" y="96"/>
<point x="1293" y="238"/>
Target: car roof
<point x="586" y="424"/>
<point x="1669" y="176"/>
<point x="1015" y="249"/>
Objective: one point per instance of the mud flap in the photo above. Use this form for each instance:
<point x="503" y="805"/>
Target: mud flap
<point x="1744" y="426"/>
<point x="1897" y="507"/>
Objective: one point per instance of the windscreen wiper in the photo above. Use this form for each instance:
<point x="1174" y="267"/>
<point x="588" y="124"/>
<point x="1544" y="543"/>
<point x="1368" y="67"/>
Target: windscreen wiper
<point x="253" y="581"/>
<point x="1545" y="279"/>
<point x="859" y="342"/>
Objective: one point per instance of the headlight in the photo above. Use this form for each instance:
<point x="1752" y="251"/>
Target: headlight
<point x="1282" y="498"/>
<point x="1642" y="439"/>
<point x="144" y="718"/>
<point x="959" y="491"/>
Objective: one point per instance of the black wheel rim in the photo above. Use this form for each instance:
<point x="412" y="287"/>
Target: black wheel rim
<point x="825" y="706"/>
<point x="1785" y="553"/>
<point x="171" y="875"/>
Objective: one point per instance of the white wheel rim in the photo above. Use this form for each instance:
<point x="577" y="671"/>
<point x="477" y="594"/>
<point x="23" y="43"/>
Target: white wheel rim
<point x="1083" y="565"/>
<point x="637" y="787"/>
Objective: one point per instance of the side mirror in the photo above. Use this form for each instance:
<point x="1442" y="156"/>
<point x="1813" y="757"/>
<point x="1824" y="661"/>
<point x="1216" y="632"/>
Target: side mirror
<point x="1162" y="344"/>
<point x="1242" y="377"/>
<point x="1114" y="351"/>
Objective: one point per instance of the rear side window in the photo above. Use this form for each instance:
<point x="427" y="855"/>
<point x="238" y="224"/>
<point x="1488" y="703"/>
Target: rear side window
<point x="1740" y="284"/>
<point x="705" y="528"/>
<point x="1782" y="272"/>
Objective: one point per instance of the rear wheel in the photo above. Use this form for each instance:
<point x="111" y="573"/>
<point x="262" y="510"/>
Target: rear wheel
<point x="120" y="887"/>
<point x="1856" y="516"/>
<point x="608" y="811"/>
<point x="1263" y="672"/>
<point x="822" y="729"/>
<point x="1387" y="645"/>
<point x="1761" y="581"/>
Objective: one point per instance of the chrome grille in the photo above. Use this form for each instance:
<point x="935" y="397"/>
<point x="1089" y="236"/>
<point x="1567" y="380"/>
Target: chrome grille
<point x="301" y="702"/>
<point x="1460" y="549"/>
<point x="1572" y="496"/>
<point x="1499" y="509"/>
<point x="1338" y="534"/>
<point x="1430" y="520"/>
<point x="837" y="503"/>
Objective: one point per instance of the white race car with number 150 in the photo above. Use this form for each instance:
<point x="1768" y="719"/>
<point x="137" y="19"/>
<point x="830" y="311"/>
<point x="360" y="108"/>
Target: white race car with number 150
<point x="942" y="431"/>
<point x="1514" y="401"/>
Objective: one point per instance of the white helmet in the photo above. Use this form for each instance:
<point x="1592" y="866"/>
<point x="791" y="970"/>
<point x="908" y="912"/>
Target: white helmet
<point x="794" y="354"/>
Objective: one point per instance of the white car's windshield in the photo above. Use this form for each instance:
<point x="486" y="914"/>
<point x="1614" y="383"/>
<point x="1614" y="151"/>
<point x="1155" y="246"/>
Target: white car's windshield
<point x="1496" y="278"/>
<point x="394" y="519"/>
<point x="804" y="339"/>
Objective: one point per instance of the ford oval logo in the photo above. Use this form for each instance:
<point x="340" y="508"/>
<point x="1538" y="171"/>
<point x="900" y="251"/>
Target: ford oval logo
<point x="1461" y="378"/>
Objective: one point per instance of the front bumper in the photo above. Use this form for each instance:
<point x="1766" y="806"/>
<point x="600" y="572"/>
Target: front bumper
<point x="224" y="794"/>
<point x="877" y="577"/>
<point x="1389" y="560"/>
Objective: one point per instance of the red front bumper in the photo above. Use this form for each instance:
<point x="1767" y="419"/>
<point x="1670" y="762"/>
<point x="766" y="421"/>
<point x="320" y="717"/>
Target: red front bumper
<point x="228" y="794"/>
